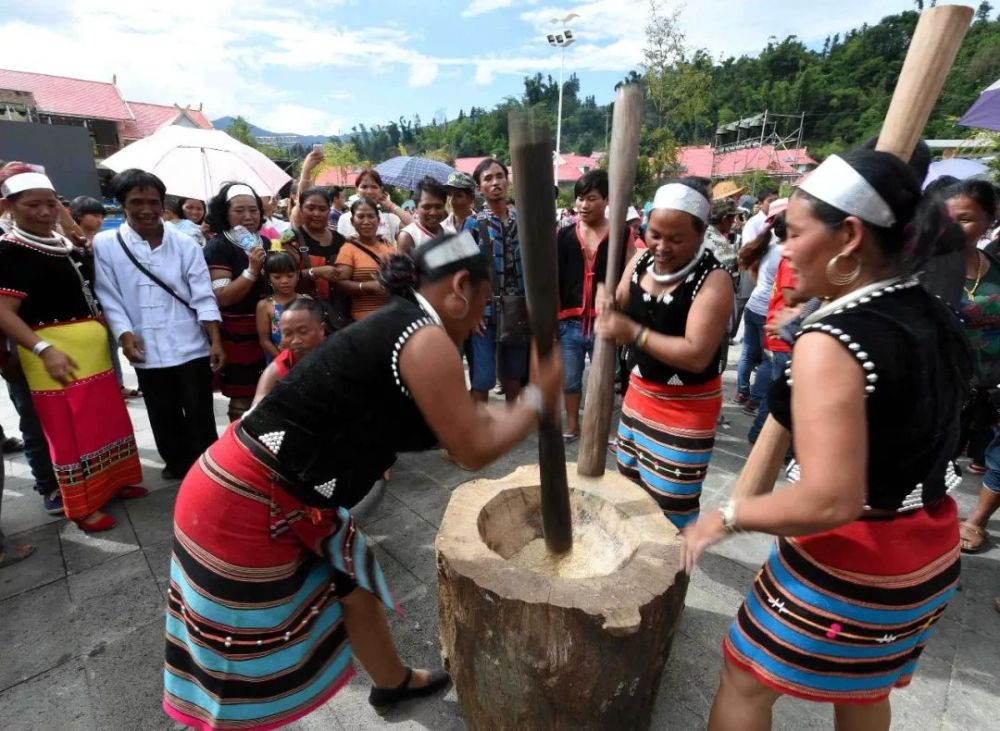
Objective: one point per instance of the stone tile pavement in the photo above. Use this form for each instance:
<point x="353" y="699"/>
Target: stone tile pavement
<point x="81" y="621"/>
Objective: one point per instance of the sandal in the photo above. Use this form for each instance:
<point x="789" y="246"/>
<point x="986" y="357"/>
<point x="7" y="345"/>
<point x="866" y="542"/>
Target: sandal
<point x="570" y="437"/>
<point x="106" y="522"/>
<point x="130" y="392"/>
<point x="383" y="698"/>
<point x="12" y="556"/>
<point x="972" y="538"/>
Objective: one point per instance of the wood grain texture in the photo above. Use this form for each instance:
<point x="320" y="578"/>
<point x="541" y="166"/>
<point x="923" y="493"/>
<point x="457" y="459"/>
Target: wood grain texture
<point x="531" y="159"/>
<point x="624" y="153"/>
<point x="932" y="52"/>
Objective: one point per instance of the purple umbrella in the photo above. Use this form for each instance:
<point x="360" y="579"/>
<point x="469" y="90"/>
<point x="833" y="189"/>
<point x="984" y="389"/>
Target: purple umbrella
<point x="406" y="172"/>
<point x="956" y="167"/>
<point x="985" y="113"/>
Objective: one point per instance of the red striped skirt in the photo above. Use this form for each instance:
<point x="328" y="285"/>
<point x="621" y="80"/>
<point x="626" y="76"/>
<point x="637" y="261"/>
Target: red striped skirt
<point x="843" y="616"/>
<point x="244" y="356"/>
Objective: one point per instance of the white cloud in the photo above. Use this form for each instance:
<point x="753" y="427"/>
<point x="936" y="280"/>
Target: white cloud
<point x="480" y="7"/>
<point x="295" y="118"/>
<point x="484" y="74"/>
<point x="423" y="73"/>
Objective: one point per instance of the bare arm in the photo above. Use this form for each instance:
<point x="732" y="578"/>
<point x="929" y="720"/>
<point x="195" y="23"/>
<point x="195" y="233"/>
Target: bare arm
<point x="264" y="328"/>
<point x="475" y="434"/>
<point x="831" y="445"/>
<point x="621" y="293"/>
<point x="13" y="326"/>
<point x="266" y="383"/>
<point x="343" y="281"/>
<point x="404" y="242"/>
<point x="706" y="326"/>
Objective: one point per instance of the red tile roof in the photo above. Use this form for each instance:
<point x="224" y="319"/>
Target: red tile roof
<point x="150" y="117"/>
<point x="344" y="177"/>
<point x="571" y="170"/>
<point x="706" y="162"/>
<point x="69" y="97"/>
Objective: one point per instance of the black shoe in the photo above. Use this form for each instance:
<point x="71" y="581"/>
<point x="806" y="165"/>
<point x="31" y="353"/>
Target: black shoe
<point x="383" y="698"/>
<point x="169" y="473"/>
<point x="11" y="445"/>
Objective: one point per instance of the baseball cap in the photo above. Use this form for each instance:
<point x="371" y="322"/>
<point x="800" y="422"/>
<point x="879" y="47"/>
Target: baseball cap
<point x="461" y="181"/>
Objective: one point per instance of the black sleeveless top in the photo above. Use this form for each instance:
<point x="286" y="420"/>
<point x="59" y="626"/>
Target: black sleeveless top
<point x="337" y="421"/>
<point x="917" y="367"/>
<point x="668" y="314"/>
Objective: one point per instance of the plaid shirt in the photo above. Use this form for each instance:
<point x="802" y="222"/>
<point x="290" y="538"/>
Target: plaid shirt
<point x="506" y="255"/>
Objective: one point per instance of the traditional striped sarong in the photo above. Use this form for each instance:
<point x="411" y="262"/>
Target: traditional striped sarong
<point x="665" y="440"/>
<point x="244" y="356"/>
<point x="255" y="631"/>
<point x="843" y="616"/>
<point x="86" y="423"/>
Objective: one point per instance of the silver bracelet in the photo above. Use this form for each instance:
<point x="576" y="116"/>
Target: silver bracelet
<point x="40" y="347"/>
<point x="532" y="396"/>
<point x="728" y="513"/>
<point x="249" y="275"/>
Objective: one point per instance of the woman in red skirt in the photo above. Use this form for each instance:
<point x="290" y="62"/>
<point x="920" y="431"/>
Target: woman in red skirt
<point x="867" y="552"/>
<point x="675" y="301"/>
<point x="273" y="587"/>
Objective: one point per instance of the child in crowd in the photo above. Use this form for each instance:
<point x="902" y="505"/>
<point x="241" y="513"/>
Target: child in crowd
<point x="283" y="276"/>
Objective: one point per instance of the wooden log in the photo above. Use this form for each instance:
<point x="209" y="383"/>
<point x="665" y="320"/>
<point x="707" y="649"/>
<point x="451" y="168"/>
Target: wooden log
<point x="531" y="158"/>
<point x="624" y="152"/>
<point x="932" y="52"/>
<point x="537" y="641"/>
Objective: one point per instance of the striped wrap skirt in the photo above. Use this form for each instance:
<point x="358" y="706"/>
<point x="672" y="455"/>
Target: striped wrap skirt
<point x="244" y="356"/>
<point x="665" y="440"/>
<point x="255" y="636"/>
<point x="843" y="616"/>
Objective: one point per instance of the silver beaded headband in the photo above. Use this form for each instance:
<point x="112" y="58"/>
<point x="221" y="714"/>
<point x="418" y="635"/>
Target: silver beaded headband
<point x="678" y="197"/>
<point x="25" y="181"/>
<point x="453" y="249"/>
<point x="837" y="184"/>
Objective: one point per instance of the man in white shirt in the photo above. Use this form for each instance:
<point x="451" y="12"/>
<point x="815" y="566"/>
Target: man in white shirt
<point x="168" y="330"/>
<point x="753" y="227"/>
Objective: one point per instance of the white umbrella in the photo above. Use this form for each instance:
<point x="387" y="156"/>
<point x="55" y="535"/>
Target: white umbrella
<point x="194" y="163"/>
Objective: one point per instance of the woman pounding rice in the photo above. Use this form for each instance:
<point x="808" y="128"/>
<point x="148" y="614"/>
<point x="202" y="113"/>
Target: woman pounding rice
<point x="676" y="300"/>
<point x="273" y="586"/>
<point x="867" y="554"/>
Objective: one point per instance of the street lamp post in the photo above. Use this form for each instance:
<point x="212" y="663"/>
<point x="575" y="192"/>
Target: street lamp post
<point x="561" y="41"/>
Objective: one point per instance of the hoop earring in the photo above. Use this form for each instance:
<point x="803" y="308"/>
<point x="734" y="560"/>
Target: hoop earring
<point x="842" y="280"/>
<point x="465" y="310"/>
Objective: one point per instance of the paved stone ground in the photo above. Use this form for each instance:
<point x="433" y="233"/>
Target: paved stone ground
<point x="81" y="621"/>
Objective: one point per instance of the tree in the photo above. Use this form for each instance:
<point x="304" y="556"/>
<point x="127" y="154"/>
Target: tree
<point x="342" y="157"/>
<point x="239" y="130"/>
<point x="983" y="12"/>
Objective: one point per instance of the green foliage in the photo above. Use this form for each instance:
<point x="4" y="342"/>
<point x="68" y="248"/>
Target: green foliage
<point x="239" y="130"/>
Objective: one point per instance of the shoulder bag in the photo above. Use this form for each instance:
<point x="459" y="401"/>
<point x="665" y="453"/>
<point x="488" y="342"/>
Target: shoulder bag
<point x="510" y="311"/>
<point x="153" y="278"/>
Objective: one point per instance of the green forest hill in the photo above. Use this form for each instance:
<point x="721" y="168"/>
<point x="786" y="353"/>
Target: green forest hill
<point x="843" y="88"/>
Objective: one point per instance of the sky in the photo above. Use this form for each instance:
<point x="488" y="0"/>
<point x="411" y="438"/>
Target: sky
<point x="322" y="66"/>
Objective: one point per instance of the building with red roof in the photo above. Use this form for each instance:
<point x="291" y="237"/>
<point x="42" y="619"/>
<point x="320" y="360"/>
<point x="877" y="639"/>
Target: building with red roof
<point x="774" y="162"/>
<point x="98" y="106"/>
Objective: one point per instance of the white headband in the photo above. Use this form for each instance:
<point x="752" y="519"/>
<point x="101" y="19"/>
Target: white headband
<point x="456" y="248"/>
<point x="25" y="181"/>
<point x="678" y="197"/>
<point x="837" y="184"/>
<point x="239" y="189"/>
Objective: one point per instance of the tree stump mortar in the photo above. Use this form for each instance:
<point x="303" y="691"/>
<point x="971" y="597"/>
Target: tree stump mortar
<point x="536" y="641"/>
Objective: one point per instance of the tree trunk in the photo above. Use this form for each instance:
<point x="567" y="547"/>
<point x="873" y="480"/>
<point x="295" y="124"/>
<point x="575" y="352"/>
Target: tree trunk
<point x="537" y="641"/>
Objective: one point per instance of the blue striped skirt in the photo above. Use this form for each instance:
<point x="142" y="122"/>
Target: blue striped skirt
<point x="665" y="439"/>
<point x="843" y="616"/>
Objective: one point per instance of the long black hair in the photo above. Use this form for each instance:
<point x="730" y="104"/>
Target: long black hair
<point x="920" y="221"/>
<point x="981" y="192"/>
